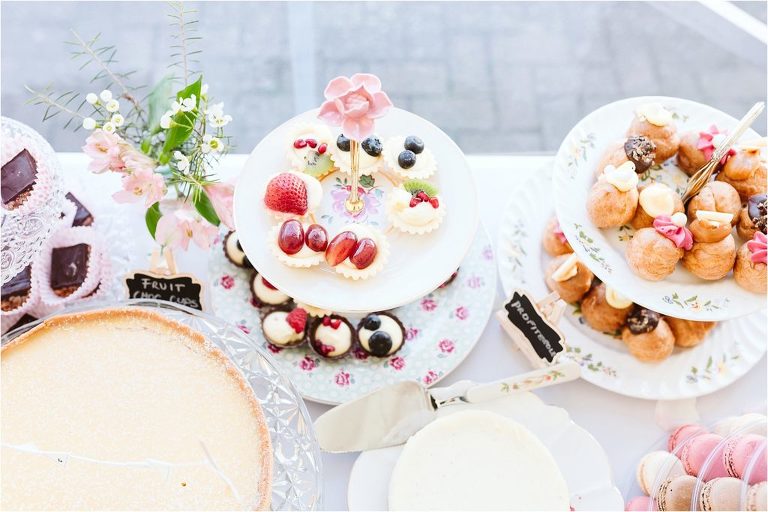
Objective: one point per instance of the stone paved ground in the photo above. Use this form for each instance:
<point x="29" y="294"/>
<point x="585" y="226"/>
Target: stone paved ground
<point x="498" y="77"/>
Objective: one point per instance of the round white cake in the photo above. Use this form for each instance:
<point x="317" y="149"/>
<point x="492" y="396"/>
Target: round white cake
<point x="476" y="460"/>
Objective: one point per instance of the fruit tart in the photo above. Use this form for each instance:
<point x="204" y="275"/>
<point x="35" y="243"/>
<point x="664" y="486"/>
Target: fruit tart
<point x="265" y="294"/>
<point x="380" y="334"/>
<point x="653" y="252"/>
<point x="415" y="207"/>
<point x="753" y="217"/>
<point x="234" y="251"/>
<point x="408" y="158"/>
<point x="750" y="268"/>
<point x="284" y="328"/>
<point x="713" y="252"/>
<point x="696" y="149"/>
<point x="654" y="121"/>
<point x="554" y="240"/>
<point x="310" y="150"/>
<point x="569" y="277"/>
<point x="655" y="199"/>
<point x="638" y="149"/>
<point x="612" y="200"/>
<point x="716" y="196"/>
<point x="370" y="158"/>
<point x="298" y="244"/>
<point x="688" y="333"/>
<point x="647" y="335"/>
<point x="604" y="309"/>
<point x="292" y="194"/>
<point x="331" y="336"/>
<point x="358" y="251"/>
<point x="746" y="171"/>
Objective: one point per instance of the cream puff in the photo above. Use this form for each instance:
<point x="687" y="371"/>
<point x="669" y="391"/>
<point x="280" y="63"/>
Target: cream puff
<point x="604" y="309"/>
<point x="753" y="217"/>
<point x="714" y="251"/>
<point x="654" y="121"/>
<point x="612" y="200"/>
<point x="716" y="196"/>
<point x="688" y="333"/>
<point x="554" y="240"/>
<point x="653" y="252"/>
<point x="655" y="199"/>
<point x="569" y="277"/>
<point x="696" y="149"/>
<point x="750" y="268"/>
<point x="746" y="171"/>
<point x="637" y="149"/>
<point x="647" y="336"/>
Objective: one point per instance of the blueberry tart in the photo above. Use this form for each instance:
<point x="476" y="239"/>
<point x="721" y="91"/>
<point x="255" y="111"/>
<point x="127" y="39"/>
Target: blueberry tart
<point x="409" y="158"/>
<point x="380" y="334"/>
<point x="264" y="294"/>
<point x="331" y="336"/>
<point x="370" y="154"/>
<point x="283" y="327"/>
<point x="234" y="251"/>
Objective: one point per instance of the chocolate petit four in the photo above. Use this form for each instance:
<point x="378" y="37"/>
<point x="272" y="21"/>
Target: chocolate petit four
<point x="69" y="268"/>
<point x="332" y="336"/>
<point x="284" y="328"/>
<point x="18" y="178"/>
<point x="647" y="335"/>
<point x="234" y="251"/>
<point x="16" y="291"/>
<point x="264" y="294"/>
<point x="380" y="334"/>
<point x="83" y="217"/>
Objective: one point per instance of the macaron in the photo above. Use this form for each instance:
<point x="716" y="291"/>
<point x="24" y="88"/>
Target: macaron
<point x="757" y="468"/>
<point x="655" y="464"/>
<point x="750" y="423"/>
<point x="720" y="494"/>
<point x="757" y="497"/>
<point x="639" y="503"/>
<point x="697" y="452"/>
<point x="682" y="434"/>
<point x="676" y="493"/>
<point x="738" y="452"/>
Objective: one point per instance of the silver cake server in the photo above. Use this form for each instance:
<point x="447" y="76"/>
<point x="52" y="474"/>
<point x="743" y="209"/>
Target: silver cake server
<point x="389" y="416"/>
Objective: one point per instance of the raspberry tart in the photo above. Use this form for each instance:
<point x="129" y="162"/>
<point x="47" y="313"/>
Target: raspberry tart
<point x="408" y="157"/>
<point x="331" y="336"/>
<point x="415" y="207"/>
<point x="284" y="328"/>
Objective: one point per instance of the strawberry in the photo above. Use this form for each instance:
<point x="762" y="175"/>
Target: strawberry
<point x="286" y="193"/>
<point x="297" y="319"/>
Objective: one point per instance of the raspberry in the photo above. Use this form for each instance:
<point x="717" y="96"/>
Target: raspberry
<point x="297" y="319"/>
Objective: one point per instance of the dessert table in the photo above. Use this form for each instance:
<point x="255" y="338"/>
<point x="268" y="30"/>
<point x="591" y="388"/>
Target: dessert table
<point x="625" y="427"/>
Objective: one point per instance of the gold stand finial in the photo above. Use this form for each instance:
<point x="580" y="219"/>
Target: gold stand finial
<point x="354" y="203"/>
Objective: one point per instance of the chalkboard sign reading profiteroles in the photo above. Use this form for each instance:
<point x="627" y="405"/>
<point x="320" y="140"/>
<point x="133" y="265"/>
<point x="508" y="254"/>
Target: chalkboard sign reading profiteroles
<point x="181" y="289"/>
<point x="538" y="337"/>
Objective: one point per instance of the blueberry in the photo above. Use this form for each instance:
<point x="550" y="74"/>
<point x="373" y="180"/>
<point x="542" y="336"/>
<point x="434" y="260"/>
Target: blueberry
<point x="406" y="159"/>
<point x="380" y="343"/>
<point x="372" y="322"/>
<point x="372" y="146"/>
<point x="342" y="142"/>
<point x="414" y="143"/>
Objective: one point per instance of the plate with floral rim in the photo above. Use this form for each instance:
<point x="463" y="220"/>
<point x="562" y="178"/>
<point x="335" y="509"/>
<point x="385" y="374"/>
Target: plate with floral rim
<point x="681" y="294"/>
<point x="732" y="347"/>
<point x="441" y="329"/>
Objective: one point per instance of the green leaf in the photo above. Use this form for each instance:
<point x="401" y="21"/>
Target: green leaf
<point x="152" y="217"/>
<point x="205" y="208"/>
<point x="183" y="122"/>
<point x="367" y="181"/>
<point x="159" y="101"/>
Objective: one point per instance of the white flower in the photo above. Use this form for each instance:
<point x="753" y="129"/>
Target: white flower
<point x="91" y="98"/>
<point x="109" y="127"/>
<point x="188" y="104"/>
<point x="118" y="119"/>
<point x="175" y="107"/>
<point x="182" y="162"/>
<point x="105" y="95"/>
<point x="112" y="106"/>
<point x="216" y="115"/>
<point x="89" y="123"/>
<point x="204" y="90"/>
<point x="211" y="143"/>
<point x="165" y="120"/>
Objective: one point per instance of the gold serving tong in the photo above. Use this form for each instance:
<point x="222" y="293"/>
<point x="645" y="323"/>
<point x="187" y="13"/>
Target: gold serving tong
<point x="701" y="177"/>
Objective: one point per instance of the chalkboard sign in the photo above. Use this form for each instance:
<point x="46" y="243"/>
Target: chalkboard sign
<point x="536" y="336"/>
<point x="181" y="289"/>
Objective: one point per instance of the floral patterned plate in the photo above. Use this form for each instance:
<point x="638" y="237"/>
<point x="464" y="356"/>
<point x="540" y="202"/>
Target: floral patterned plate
<point x="731" y="349"/>
<point x="441" y="329"/>
<point x="682" y="294"/>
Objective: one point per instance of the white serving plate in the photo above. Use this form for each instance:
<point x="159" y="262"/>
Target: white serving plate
<point x="729" y="351"/>
<point x="579" y="456"/>
<point x="417" y="263"/>
<point x="682" y="294"/>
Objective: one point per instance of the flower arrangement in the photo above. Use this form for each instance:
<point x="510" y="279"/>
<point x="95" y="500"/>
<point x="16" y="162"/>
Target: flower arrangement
<point x="164" y="146"/>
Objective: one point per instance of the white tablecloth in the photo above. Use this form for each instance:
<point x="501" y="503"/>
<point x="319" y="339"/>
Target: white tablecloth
<point x="625" y="427"/>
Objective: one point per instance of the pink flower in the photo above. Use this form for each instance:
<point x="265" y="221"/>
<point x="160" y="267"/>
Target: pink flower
<point x="397" y="363"/>
<point x="244" y="328"/>
<point x="142" y="182"/>
<point x="428" y="304"/>
<point x="446" y="346"/>
<point x="221" y="195"/>
<point x="135" y="160"/>
<point x="105" y="152"/>
<point x="488" y="252"/>
<point x="462" y="313"/>
<point x="342" y="378"/>
<point x="227" y="282"/>
<point x="307" y="364"/>
<point x="176" y="229"/>
<point x="430" y="377"/>
<point x="353" y="103"/>
<point x="359" y="354"/>
<point x="411" y="333"/>
<point x="475" y="282"/>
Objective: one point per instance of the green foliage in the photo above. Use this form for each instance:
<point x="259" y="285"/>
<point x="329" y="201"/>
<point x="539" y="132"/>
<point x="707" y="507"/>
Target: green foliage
<point x="157" y="102"/>
<point x="183" y="122"/>
<point x="152" y="217"/>
<point x="205" y="208"/>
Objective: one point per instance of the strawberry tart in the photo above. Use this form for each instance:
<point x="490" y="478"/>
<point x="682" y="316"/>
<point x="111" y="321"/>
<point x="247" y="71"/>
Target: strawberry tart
<point x="292" y="194"/>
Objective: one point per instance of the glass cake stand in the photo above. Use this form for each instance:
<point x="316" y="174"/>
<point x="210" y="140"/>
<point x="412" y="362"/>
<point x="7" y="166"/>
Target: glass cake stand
<point x="296" y="481"/>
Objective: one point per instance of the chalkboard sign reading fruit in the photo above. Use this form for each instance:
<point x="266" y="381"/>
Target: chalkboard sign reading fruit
<point x="181" y="289"/>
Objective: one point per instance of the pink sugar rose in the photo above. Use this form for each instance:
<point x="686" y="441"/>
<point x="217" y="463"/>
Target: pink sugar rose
<point x="353" y="103"/>
<point x="176" y="229"/>
<point x="221" y="195"/>
<point x="141" y="182"/>
<point x="105" y="152"/>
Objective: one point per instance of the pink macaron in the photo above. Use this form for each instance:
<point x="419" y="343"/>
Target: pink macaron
<point x="682" y="434"/>
<point x="696" y="453"/>
<point x="639" y="503"/>
<point x="738" y="453"/>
